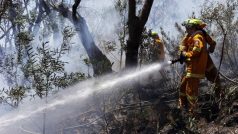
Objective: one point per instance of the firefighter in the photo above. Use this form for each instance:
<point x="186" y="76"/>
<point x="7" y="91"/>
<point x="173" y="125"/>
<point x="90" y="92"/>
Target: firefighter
<point x="193" y="49"/>
<point x="211" y="71"/>
<point x="158" y="53"/>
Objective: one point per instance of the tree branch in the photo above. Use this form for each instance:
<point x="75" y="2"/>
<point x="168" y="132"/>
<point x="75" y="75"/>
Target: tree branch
<point x="74" y="8"/>
<point x="146" y="11"/>
<point x="6" y="32"/>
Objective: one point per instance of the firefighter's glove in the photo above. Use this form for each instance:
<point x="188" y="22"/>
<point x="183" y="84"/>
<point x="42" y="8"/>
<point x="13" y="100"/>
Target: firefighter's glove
<point x="182" y="57"/>
<point x="211" y="49"/>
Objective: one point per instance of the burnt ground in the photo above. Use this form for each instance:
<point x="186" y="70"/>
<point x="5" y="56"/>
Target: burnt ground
<point x="152" y="108"/>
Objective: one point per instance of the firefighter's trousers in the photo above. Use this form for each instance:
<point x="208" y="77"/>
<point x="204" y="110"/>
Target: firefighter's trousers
<point x="188" y="94"/>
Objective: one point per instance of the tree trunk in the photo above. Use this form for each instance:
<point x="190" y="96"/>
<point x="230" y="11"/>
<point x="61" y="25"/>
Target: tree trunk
<point x="99" y="61"/>
<point x="133" y="43"/>
<point x="136" y="26"/>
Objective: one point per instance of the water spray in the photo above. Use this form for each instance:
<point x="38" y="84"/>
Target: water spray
<point x="81" y="91"/>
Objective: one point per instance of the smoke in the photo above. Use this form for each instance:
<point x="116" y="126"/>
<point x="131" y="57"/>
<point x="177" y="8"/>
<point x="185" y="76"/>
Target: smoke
<point x="166" y="13"/>
<point x="68" y="103"/>
<point x="102" y="20"/>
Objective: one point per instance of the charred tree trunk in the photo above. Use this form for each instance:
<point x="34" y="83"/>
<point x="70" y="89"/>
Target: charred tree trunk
<point x="99" y="61"/>
<point x="136" y="26"/>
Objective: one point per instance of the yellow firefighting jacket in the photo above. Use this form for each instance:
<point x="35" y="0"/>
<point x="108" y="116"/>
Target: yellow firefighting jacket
<point x="161" y="46"/>
<point x="158" y="52"/>
<point x="196" y="53"/>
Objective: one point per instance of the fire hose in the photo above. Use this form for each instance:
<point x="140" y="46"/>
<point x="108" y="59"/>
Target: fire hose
<point x="182" y="59"/>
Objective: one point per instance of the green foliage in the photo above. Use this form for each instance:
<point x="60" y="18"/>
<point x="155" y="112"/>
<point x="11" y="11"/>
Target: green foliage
<point x="16" y="15"/>
<point x="33" y="16"/>
<point x="8" y="66"/>
<point x="146" y="51"/>
<point x="121" y="6"/>
<point x="23" y="40"/>
<point x="3" y="7"/>
<point x="86" y="61"/>
<point x="42" y="68"/>
<point x="68" y="79"/>
<point x="109" y="46"/>
<point x="13" y="95"/>
<point x="222" y="22"/>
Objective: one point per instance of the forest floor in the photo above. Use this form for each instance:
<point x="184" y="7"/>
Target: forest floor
<point x="213" y="116"/>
